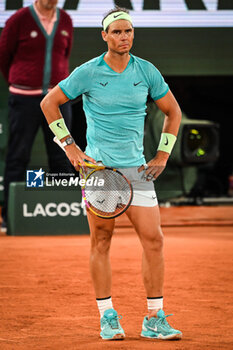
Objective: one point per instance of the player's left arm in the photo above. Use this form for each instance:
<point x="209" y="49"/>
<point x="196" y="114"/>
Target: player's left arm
<point x="170" y="107"/>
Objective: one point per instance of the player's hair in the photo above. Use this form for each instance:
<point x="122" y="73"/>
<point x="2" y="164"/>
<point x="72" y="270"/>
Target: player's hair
<point x="116" y="9"/>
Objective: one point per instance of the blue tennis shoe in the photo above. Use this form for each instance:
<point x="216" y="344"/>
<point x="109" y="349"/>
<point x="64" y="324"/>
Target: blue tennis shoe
<point x="159" y="328"/>
<point x="110" y="326"/>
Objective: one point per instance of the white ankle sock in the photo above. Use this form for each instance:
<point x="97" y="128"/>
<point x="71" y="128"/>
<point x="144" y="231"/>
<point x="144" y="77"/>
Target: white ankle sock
<point x="104" y="304"/>
<point x="154" y="303"/>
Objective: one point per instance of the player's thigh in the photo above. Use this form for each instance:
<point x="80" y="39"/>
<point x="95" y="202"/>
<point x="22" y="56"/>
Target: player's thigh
<point x="146" y="221"/>
<point x="100" y="229"/>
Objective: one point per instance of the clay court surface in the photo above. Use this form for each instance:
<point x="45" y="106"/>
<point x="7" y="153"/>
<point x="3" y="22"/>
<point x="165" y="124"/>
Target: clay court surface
<point x="47" y="301"/>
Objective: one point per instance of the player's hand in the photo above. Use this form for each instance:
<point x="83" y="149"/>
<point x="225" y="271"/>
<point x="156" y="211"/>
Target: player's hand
<point x="155" y="166"/>
<point x="76" y="156"/>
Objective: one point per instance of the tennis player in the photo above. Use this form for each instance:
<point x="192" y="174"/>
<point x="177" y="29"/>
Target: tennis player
<point x="115" y="87"/>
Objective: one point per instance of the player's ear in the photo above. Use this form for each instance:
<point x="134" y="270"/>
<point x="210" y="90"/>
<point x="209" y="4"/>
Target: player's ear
<point x="104" y="35"/>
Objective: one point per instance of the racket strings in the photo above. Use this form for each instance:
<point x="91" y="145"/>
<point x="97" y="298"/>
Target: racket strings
<point x="112" y="196"/>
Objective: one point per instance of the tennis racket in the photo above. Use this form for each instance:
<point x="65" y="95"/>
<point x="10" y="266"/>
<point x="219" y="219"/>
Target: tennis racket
<point x="106" y="192"/>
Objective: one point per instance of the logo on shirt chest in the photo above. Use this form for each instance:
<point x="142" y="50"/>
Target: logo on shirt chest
<point x="104" y="84"/>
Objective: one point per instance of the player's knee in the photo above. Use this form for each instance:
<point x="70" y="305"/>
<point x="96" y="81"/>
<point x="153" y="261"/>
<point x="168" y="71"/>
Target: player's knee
<point x="158" y="245"/>
<point x="101" y="240"/>
<point x="103" y="244"/>
<point x="154" y="241"/>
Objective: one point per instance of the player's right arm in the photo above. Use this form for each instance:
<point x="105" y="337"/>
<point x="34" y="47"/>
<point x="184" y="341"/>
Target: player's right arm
<point x="50" y="107"/>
